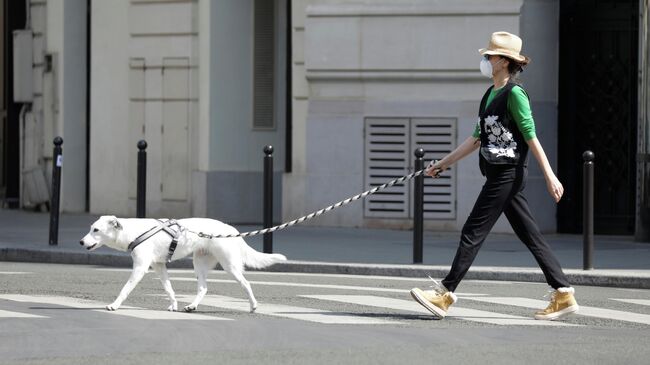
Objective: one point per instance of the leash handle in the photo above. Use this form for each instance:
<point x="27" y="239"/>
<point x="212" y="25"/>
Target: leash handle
<point x="439" y="171"/>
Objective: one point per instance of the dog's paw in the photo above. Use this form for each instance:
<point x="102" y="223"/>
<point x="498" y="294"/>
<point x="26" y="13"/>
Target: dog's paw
<point x="173" y="307"/>
<point x="111" y="307"/>
<point x="253" y="308"/>
<point x="190" y="308"/>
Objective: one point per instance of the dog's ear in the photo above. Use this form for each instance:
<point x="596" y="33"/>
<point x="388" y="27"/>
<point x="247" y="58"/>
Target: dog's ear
<point x="115" y="224"/>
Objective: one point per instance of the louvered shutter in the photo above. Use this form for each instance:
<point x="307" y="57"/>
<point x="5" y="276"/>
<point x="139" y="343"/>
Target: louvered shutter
<point x="386" y="159"/>
<point x="389" y="146"/>
<point x="437" y="136"/>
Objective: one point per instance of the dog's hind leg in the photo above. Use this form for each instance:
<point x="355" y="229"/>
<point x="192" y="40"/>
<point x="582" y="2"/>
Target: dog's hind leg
<point x="239" y="276"/>
<point x="203" y="263"/>
<point x="161" y="270"/>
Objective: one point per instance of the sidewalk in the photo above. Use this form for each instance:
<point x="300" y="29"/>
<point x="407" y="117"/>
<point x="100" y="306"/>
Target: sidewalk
<point x="619" y="261"/>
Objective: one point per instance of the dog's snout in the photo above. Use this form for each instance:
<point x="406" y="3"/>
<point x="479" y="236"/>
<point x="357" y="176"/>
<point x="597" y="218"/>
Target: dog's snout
<point x="81" y="242"/>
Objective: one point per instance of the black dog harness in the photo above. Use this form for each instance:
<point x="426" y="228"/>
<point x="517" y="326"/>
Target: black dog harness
<point x="165" y="226"/>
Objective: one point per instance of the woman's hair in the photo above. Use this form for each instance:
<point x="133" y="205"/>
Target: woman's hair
<point x="516" y="67"/>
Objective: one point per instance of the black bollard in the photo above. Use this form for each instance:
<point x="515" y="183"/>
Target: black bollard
<point x="268" y="197"/>
<point x="588" y="210"/>
<point x="141" y="207"/>
<point x="418" y="208"/>
<point x="57" y="162"/>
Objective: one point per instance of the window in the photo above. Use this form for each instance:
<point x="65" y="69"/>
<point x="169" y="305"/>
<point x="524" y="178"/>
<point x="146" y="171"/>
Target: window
<point x="264" y="65"/>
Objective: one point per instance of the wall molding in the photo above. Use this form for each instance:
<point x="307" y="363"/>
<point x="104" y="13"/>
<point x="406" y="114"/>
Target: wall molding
<point x="392" y="75"/>
<point x="418" y="9"/>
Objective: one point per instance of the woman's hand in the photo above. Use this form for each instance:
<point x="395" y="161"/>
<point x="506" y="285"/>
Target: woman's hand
<point x="435" y="168"/>
<point x="554" y="187"/>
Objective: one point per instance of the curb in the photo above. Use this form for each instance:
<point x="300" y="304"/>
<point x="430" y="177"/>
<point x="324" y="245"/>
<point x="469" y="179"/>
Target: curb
<point x="611" y="278"/>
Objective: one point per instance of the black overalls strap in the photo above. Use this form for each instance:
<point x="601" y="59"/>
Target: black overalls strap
<point x="481" y="108"/>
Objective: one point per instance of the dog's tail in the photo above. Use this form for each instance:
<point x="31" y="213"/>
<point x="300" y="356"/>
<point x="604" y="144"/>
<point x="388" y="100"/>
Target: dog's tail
<point x="259" y="260"/>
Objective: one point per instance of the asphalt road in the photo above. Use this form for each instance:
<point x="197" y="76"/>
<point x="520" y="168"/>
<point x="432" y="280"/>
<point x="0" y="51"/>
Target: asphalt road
<point x="53" y="314"/>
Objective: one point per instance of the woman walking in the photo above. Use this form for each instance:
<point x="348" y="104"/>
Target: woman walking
<point x="504" y="133"/>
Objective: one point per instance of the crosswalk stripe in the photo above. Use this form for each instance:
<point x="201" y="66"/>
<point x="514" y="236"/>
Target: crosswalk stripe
<point x="99" y="307"/>
<point x="53" y="300"/>
<point x="286" y="311"/>
<point x="454" y="312"/>
<point x="163" y="314"/>
<point x="584" y="310"/>
<point x="320" y="286"/>
<point x="275" y="273"/>
<point x="322" y="275"/>
<point x="10" y="314"/>
<point x="633" y="301"/>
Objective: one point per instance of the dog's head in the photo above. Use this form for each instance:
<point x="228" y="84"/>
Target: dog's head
<point x="103" y="231"/>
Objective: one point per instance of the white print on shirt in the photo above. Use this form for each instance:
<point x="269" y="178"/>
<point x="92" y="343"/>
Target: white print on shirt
<point x="500" y="141"/>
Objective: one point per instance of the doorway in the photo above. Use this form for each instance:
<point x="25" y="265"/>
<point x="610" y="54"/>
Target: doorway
<point x="598" y="111"/>
<point x="13" y="17"/>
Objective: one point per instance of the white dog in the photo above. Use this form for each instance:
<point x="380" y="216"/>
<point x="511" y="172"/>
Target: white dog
<point x="126" y="234"/>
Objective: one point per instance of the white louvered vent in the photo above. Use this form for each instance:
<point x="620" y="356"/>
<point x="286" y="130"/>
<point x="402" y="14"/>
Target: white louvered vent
<point x="437" y="136"/>
<point x="389" y="155"/>
<point x="387" y="146"/>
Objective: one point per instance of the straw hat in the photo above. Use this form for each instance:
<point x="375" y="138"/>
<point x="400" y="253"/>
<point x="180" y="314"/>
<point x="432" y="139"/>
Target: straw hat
<point x="505" y="44"/>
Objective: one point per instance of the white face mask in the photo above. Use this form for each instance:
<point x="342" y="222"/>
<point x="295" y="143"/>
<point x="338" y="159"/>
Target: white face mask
<point x="486" y="68"/>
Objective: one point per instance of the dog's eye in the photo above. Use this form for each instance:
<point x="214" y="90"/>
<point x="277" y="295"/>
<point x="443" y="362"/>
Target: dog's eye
<point x="95" y="230"/>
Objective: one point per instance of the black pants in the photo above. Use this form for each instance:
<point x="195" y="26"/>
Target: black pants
<point x="503" y="192"/>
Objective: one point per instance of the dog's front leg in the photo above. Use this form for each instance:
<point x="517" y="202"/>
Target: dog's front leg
<point x="139" y="270"/>
<point x="161" y="270"/>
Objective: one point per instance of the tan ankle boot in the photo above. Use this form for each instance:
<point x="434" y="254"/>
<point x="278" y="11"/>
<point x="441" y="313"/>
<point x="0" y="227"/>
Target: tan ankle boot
<point x="562" y="304"/>
<point x="436" y="303"/>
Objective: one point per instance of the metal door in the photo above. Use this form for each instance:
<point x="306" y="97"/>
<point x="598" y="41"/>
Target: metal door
<point x="597" y="110"/>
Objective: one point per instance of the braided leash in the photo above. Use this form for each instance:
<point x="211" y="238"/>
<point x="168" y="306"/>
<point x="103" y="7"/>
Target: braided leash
<point x="317" y="213"/>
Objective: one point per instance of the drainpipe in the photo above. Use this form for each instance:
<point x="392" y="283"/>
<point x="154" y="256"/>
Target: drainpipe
<point x="642" y="226"/>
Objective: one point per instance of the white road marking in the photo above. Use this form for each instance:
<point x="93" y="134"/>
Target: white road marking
<point x="99" y="307"/>
<point x="285" y="311"/>
<point x="343" y="276"/>
<point x="319" y="286"/>
<point x="163" y="314"/>
<point x="53" y="300"/>
<point x="584" y="310"/>
<point x="454" y="312"/>
<point x="633" y="301"/>
<point x="275" y="273"/>
<point x="9" y="314"/>
<point x="495" y="282"/>
<point x="14" y="273"/>
<point x="632" y="290"/>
